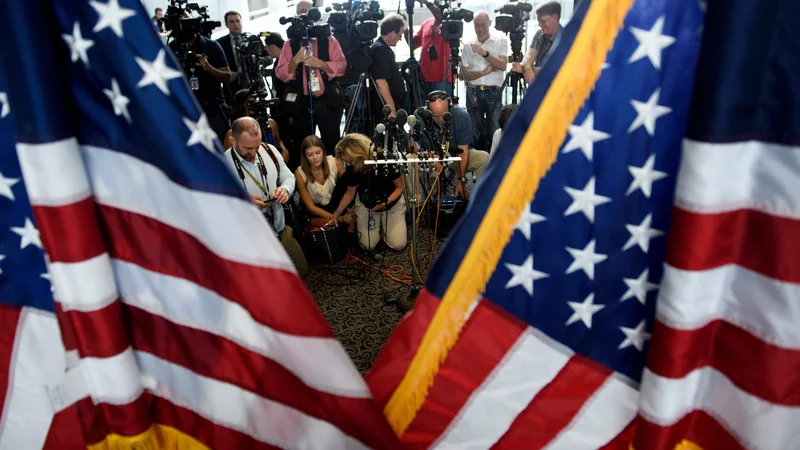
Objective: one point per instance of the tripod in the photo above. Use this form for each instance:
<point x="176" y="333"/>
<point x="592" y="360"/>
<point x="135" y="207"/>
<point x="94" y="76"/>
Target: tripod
<point x="453" y="64"/>
<point x="365" y="119"/>
<point x="411" y="68"/>
<point x="514" y="79"/>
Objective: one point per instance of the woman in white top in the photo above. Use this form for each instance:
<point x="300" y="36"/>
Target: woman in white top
<point x="317" y="179"/>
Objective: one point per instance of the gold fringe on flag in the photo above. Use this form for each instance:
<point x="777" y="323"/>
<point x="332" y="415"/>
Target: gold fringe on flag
<point x="157" y="437"/>
<point x="687" y="445"/>
<point x="537" y="153"/>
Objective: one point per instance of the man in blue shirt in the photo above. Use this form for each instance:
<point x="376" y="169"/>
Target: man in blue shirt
<point x="544" y="41"/>
<point x="460" y="139"/>
<point x="267" y="180"/>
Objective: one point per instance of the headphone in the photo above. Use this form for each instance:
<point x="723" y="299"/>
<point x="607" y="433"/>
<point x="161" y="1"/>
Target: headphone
<point x="439" y="95"/>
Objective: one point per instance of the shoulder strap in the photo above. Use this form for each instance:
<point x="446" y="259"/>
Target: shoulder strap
<point x="237" y="164"/>
<point x="323" y="55"/>
<point x="277" y="165"/>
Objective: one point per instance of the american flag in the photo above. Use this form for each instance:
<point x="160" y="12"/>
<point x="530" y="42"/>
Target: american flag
<point x="724" y="366"/>
<point x="32" y="357"/>
<point x="183" y="320"/>
<point x="552" y="352"/>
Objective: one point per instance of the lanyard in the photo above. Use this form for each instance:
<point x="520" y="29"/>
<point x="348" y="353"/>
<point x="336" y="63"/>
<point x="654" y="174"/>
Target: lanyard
<point x="255" y="180"/>
<point x="260" y="186"/>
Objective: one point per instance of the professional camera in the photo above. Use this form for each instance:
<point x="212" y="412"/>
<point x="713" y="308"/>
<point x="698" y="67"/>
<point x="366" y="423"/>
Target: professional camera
<point x="355" y="26"/>
<point x="179" y="22"/>
<point x="303" y="26"/>
<point x="513" y="16"/>
<point x="359" y="19"/>
<point x="453" y="21"/>
<point x="511" y="19"/>
<point x="253" y="59"/>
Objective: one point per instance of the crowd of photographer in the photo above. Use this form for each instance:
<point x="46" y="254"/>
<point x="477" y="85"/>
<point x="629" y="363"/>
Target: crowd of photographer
<point x="253" y="87"/>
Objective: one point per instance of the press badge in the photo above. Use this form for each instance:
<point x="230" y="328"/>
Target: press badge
<point x="194" y="83"/>
<point x="291" y="97"/>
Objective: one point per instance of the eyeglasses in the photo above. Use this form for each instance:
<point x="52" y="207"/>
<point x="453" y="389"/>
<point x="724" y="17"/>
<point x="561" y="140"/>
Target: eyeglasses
<point x="438" y="97"/>
<point x="543" y="20"/>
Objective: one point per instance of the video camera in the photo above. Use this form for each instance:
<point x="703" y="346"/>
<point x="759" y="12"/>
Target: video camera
<point x="452" y="28"/>
<point x="303" y="27"/>
<point x="512" y="19"/>
<point x="513" y="16"/>
<point x="356" y="18"/>
<point x="182" y="26"/>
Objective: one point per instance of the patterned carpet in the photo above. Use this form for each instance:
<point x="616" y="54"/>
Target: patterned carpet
<point x="360" y="302"/>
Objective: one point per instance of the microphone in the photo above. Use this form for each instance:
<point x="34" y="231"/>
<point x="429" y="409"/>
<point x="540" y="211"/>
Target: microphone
<point x="447" y="117"/>
<point x="386" y="110"/>
<point x="380" y="129"/>
<point x="427" y="115"/>
<point x="411" y="121"/>
<point x="402" y="117"/>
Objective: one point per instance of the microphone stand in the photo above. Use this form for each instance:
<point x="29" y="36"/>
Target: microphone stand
<point x="410" y="166"/>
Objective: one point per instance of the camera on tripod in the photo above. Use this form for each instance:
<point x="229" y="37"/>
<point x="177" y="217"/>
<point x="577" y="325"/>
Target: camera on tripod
<point x="303" y="27"/>
<point x="453" y="19"/>
<point x="179" y="22"/>
<point x="511" y="19"/>
<point x="356" y="18"/>
<point x="513" y="16"/>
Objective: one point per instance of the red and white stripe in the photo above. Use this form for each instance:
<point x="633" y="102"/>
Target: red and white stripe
<point x="185" y="311"/>
<point x="725" y="355"/>
<point x="525" y="391"/>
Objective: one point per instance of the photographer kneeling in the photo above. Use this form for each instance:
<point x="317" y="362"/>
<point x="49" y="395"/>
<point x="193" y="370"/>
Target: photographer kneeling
<point x="268" y="182"/>
<point x="457" y="123"/>
<point x="380" y="207"/>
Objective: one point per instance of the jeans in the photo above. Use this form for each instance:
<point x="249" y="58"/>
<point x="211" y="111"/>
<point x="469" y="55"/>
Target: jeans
<point x="484" y="125"/>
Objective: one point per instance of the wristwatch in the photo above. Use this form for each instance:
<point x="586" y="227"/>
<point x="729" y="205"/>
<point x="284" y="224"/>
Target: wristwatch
<point x="486" y="55"/>
<point x="463" y="179"/>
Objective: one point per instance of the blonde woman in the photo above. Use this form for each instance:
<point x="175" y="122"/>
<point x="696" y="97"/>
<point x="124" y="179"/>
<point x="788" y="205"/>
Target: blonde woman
<point x="319" y="181"/>
<point x="380" y="207"/>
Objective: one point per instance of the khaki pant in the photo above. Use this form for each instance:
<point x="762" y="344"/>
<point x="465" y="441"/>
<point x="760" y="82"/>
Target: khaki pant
<point x="292" y="247"/>
<point x="391" y="224"/>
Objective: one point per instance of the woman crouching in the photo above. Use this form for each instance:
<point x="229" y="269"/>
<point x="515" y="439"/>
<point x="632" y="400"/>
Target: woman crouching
<point x="319" y="182"/>
<point x="380" y="207"/>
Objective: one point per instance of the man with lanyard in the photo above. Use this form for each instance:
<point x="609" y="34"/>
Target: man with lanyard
<point x="207" y="75"/>
<point x="317" y="64"/>
<point x="460" y="131"/>
<point x="544" y="42"/>
<point x="485" y="60"/>
<point x="435" y="52"/>
<point x="267" y="180"/>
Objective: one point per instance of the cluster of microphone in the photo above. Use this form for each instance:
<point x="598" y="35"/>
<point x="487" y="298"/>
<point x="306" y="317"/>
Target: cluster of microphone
<point x="391" y="138"/>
